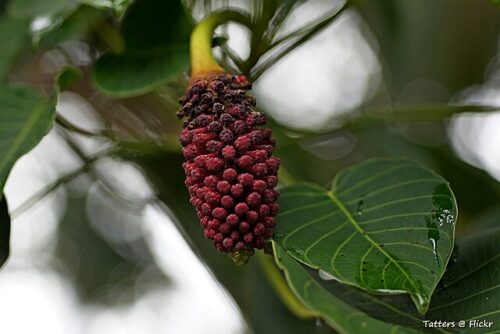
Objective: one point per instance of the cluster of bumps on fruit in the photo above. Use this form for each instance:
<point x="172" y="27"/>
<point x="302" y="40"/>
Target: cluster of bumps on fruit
<point x="230" y="171"/>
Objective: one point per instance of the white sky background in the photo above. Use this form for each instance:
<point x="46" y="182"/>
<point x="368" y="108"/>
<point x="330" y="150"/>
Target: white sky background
<point x="36" y="299"/>
<point x="476" y="136"/>
<point x="329" y="75"/>
<point x="332" y="74"/>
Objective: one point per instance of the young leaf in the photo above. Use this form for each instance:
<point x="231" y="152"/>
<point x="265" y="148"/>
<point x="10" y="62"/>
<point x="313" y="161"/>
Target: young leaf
<point x="156" y="35"/>
<point x="338" y="314"/>
<point x="387" y="226"/>
<point x="4" y="231"/>
<point x="131" y="75"/>
<point x="25" y="118"/>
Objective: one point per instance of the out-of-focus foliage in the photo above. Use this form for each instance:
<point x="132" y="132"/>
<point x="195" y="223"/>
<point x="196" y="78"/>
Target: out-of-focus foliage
<point x="4" y="231"/>
<point x="156" y="37"/>
<point x="13" y="33"/>
<point x="25" y="117"/>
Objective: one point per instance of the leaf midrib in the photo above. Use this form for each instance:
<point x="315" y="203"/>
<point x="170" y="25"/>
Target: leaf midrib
<point x="367" y="237"/>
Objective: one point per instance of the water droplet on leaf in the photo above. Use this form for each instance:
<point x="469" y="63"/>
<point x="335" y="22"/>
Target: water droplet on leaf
<point x="359" y="210"/>
<point x="326" y="276"/>
<point x="297" y="251"/>
<point x="278" y="234"/>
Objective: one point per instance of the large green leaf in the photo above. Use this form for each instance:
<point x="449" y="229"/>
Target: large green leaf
<point x="470" y="290"/>
<point x="343" y="317"/>
<point x="387" y="226"/>
<point x="4" y="231"/>
<point x="156" y="35"/>
<point x="25" y="118"/>
<point x="14" y="39"/>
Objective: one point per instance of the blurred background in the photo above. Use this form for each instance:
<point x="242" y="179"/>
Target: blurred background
<point x="104" y="239"/>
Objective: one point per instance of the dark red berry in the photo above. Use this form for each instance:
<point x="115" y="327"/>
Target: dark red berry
<point x="237" y="190"/>
<point x="229" y="153"/>
<point x="214" y="146"/>
<point x="246" y="179"/>
<point x="232" y="219"/>
<point x="245" y="162"/>
<point x="272" y="181"/>
<point x="244" y="227"/>
<point x="230" y="175"/>
<point x="215" y="127"/>
<point x="242" y="143"/>
<point x="223" y="187"/>
<point x="225" y="228"/>
<point x="219" y="213"/>
<point x="259" y="186"/>
<point x="241" y="209"/>
<point x="252" y="216"/>
<point x="228" y="243"/>
<point x="226" y="136"/>
<point x="226" y="118"/>
<point x="227" y="202"/>
<point x="253" y="199"/>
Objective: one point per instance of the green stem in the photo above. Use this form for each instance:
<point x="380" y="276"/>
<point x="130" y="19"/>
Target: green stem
<point x="286" y="295"/>
<point x="202" y="60"/>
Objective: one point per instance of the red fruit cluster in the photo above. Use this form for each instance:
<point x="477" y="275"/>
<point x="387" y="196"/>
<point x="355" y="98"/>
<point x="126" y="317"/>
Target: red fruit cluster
<point x="230" y="171"/>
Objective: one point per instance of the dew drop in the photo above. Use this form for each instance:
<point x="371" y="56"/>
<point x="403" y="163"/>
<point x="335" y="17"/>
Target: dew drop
<point x="359" y="210"/>
<point x="433" y="235"/>
<point x="297" y="251"/>
<point x="434" y="250"/>
<point x="278" y="234"/>
<point x="320" y="323"/>
<point x="326" y="276"/>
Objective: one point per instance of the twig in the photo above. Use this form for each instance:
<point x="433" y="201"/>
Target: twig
<point x="35" y="198"/>
<point x="63" y="122"/>
<point x="285" y="294"/>
<point x="307" y="32"/>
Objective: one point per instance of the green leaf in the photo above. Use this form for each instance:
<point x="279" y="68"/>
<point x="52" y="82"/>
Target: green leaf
<point x="387" y="226"/>
<point x="156" y="35"/>
<point x="4" y="231"/>
<point x="25" y="118"/>
<point x="338" y="314"/>
<point x="118" y="6"/>
<point x="470" y="290"/>
<point x="28" y="8"/>
<point x="14" y="39"/>
<point x="150" y="24"/>
<point x="76" y="25"/>
<point x="128" y="75"/>
<point x="67" y="77"/>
